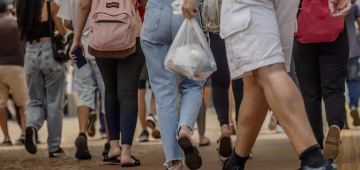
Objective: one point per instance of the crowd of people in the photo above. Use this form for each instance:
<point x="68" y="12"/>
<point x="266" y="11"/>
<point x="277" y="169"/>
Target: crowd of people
<point x="260" y="47"/>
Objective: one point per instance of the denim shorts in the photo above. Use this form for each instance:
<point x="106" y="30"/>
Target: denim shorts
<point x="88" y="81"/>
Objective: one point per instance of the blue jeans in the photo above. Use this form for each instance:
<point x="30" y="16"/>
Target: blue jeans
<point x="352" y="81"/>
<point x="45" y="78"/>
<point x="159" y="30"/>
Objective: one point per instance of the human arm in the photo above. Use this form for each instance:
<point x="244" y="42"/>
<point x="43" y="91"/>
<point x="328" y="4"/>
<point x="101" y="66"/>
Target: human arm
<point x="143" y="3"/>
<point x="339" y="8"/>
<point x="82" y="17"/>
<point x="353" y="1"/>
<point x="188" y="8"/>
<point x="68" y="25"/>
<point x="58" y="22"/>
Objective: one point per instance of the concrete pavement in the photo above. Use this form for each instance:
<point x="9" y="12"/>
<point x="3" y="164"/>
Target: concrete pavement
<point x="271" y="151"/>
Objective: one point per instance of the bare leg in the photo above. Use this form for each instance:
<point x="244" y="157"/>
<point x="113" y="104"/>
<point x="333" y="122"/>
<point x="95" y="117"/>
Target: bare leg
<point x="207" y="91"/>
<point x="231" y="110"/>
<point x="83" y="116"/>
<point x="142" y="108"/>
<point x="22" y="119"/>
<point x="107" y="131"/>
<point x="153" y="104"/>
<point x="285" y="100"/>
<point x="251" y="117"/>
<point x="3" y="124"/>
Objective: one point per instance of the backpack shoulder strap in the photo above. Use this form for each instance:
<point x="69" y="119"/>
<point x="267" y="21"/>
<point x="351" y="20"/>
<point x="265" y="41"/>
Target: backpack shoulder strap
<point x="300" y="6"/>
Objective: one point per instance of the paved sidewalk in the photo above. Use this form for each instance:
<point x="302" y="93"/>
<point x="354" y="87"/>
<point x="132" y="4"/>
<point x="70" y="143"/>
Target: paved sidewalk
<point x="271" y="151"/>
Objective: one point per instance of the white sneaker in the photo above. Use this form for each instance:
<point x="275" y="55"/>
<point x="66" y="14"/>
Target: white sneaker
<point x="279" y="129"/>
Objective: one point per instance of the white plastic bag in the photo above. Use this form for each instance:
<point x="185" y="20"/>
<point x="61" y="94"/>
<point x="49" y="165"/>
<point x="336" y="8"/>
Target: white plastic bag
<point x="190" y="54"/>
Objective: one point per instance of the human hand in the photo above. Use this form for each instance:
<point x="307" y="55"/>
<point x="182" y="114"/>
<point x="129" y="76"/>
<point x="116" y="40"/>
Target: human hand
<point x="339" y="8"/>
<point x="74" y="45"/>
<point x="188" y="9"/>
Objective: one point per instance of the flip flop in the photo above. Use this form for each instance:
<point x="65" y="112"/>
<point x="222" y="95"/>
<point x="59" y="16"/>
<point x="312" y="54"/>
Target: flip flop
<point x="113" y="160"/>
<point x="225" y="146"/>
<point x="192" y="155"/>
<point x="205" y="144"/>
<point x="137" y="163"/>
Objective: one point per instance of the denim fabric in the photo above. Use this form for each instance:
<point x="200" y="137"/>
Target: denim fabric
<point x="46" y="83"/>
<point x="88" y="81"/>
<point x="352" y="81"/>
<point x="159" y="30"/>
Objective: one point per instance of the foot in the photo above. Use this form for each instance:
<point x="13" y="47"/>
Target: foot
<point x="31" y="140"/>
<point x="232" y="128"/>
<point x="144" y="136"/>
<point x="21" y="140"/>
<point x="355" y="115"/>
<point x="225" y="146"/>
<point x="82" y="151"/>
<point x="204" y="141"/>
<point x="227" y="167"/>
<point x="6" y="143"/>
<point x="178" y="166"/>
<point x="193" y="158"/>
<point x="272" y="123"/>
<point x="279" y="129"/>
<point x="332" y="143"/>
<point x="103" y="134"/>
<point x="129" y="161"/>
<point x="114" y="152"/>
<point x="106" y="149"/>
<point x="91" y="125"/>
<point x="328" y="166"/>
<point x="152" y="124"/>
<point x="58" y="153"/>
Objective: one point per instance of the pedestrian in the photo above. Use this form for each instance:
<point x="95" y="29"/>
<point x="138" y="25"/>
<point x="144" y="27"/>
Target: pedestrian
<point x="259" y="39"/>
<point x="87" y="81"/>
<point x="120" y="76"/>
<point x="12" y="74"/>
<point x="45" y="76"/>
<point x="326" y="62"/>
<point x="352" y="79"/>
<point x="176" y="124"/>
<point x="150" y="119"/>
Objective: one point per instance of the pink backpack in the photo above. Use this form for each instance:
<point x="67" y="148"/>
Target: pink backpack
<point x="112" y="28"/>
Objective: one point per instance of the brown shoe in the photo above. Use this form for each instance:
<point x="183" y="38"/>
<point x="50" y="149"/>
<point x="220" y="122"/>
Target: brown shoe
<point x="332" y="143"/>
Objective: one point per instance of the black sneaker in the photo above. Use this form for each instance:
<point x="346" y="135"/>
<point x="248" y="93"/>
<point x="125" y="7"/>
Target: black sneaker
<point x="31" y="140"/>
<point x="230" y="168"/>
<point x="144" y="136"/>
<point x="328" y="166"/>
<point x="58" y="153"/>
<point x="106" y="149"/>
<point x="21" y="140"/>
<point x="91" y="125"/>
<point x="6" y="143"/>
<point x="82" y="151"/>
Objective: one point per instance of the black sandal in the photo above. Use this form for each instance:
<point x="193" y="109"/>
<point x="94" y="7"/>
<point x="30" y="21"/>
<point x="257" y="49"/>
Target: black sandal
<point x="137" y="163"/>
<point x="205" y="144"/>
<point x="192" y="155"/>
<point x="113" y="160"/>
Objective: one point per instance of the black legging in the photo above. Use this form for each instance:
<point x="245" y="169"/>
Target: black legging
<point x="221" y="81"/>
<point x="121" y="79"/>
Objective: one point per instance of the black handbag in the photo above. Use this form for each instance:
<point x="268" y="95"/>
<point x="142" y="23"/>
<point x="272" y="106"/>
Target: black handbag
<point x="56" y="42"/>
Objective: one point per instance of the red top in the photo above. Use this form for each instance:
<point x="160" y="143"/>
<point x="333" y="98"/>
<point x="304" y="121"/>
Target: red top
<point x="141" y="11"/>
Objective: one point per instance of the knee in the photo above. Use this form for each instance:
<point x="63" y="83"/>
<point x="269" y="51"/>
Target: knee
<point x="128" y="100"/>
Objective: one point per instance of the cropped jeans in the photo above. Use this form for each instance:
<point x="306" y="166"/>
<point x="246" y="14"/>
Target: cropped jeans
<point x="46" y="83"/>
<point x="159" y="30"/>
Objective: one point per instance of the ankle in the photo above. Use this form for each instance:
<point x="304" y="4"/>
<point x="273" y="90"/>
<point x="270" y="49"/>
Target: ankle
<point x="184" y="131"/>
<point x="177" y="163"/>
<point x="225" y="129"/>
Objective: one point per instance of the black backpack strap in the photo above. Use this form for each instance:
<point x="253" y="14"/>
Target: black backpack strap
<point x="300" y="6"/>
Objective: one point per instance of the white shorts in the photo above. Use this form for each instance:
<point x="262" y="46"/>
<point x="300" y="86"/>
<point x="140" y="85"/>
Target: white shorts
<point x="258" y="33"/>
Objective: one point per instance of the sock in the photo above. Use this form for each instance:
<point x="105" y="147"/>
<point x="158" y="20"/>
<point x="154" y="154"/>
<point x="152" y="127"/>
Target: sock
<point x="128" y="124"/>
<point x="312" y="157"/>
<point x="236" y="161"/>
<point x="83" y="134"/>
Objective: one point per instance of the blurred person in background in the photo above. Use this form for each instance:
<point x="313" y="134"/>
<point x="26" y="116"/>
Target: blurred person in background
<point x="352" y="79"/>
<point x="44" y="75"/>
<point x="12" y="75"/>
<point x="87" y="81"/>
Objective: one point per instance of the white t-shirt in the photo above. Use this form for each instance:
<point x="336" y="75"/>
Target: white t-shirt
<point x="68" y="11"/>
